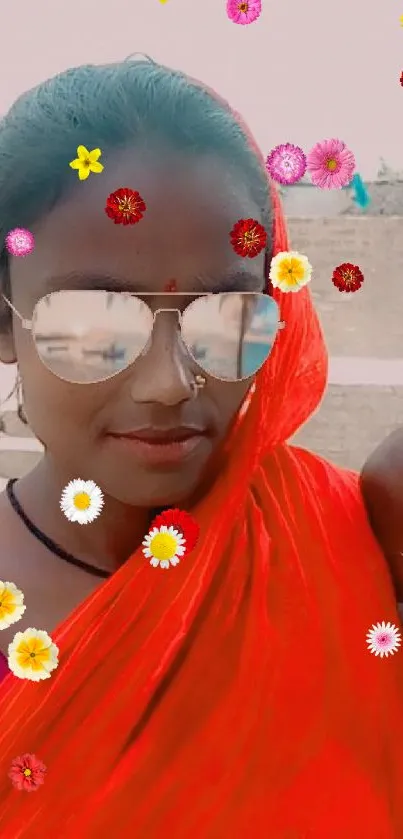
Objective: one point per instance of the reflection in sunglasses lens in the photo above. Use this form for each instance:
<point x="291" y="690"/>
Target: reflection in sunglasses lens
<point x="89" y="336"/>
<point x="230" y="335"/>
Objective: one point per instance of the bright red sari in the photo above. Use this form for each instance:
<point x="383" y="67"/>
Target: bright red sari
<point x="233" y="697"/>
<point x="3" y="667"/>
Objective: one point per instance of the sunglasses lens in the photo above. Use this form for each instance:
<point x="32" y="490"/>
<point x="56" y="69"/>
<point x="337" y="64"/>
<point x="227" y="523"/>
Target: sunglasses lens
<point x="230" y="335"/>
<point x="89" y="336"/>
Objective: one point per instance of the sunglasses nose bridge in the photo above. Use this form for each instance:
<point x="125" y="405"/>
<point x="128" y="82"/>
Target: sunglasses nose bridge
<point x="165" y="311"/>
<point x="154" y="336"/>
<point x="161" y="311"/>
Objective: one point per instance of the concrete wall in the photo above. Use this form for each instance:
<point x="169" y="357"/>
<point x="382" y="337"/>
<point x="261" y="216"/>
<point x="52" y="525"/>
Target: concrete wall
<point x="360" y="329"/>
<point x="303" y="200"/>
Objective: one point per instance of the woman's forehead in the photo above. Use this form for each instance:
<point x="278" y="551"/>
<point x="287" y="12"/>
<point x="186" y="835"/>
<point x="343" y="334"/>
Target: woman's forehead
<point x="184" y="232"/>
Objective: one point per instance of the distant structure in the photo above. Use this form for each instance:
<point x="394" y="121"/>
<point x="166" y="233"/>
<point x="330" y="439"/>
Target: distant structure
<point x="303" y="200"/>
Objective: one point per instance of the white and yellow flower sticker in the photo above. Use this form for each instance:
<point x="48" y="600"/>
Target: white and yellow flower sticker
<point x="12" y="605"/>
<point x="290" y="271"/>
<point x="32" y="655"/>
<point x="164" y="546"/>
<point x="81" y="501"/>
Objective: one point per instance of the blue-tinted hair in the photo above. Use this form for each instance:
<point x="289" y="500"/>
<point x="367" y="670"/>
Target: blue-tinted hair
<point x="128" y="104"/>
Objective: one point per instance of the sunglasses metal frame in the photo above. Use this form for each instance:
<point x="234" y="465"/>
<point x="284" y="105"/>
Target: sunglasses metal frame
<point x="28" y="324"/>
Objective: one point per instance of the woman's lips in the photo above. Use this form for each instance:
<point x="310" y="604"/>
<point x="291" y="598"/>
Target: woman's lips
<point x="159" y="451"/>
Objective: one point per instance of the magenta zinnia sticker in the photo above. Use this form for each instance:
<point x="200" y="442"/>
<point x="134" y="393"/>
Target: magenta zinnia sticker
<point x="286" y="164"/>
<point x="244" y="12"/>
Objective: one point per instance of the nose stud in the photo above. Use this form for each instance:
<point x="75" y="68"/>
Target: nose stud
<point x="197" y="384"/>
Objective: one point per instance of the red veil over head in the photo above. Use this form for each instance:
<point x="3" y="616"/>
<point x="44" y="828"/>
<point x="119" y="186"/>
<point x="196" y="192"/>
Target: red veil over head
<point x="233" y="697"/>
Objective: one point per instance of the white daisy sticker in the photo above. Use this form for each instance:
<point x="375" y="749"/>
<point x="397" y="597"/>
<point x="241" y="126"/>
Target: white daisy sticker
<point x="81" y="501"/>
<point x="164" y="546"/>
<point x="383" y="639"/>
<point x="11" y="604"/>
<point x="32" y="655"/>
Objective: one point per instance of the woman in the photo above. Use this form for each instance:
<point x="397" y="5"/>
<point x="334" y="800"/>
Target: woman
<point x="233" y="695"/>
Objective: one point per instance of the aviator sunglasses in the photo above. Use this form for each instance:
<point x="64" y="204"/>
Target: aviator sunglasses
<point x="90" y="336"/>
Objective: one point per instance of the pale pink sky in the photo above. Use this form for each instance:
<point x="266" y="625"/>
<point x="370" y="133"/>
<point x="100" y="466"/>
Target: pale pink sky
<point x="304" y="71"/>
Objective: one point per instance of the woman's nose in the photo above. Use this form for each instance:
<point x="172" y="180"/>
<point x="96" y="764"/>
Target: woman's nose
<point x="162" y="373"/>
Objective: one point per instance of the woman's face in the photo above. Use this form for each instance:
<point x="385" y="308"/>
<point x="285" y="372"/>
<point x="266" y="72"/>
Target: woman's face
<point x="183" y="238"/>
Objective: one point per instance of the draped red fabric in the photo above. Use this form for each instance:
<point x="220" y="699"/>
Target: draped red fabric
<point x="233" y="697"/>
<point x="3" y="667"/>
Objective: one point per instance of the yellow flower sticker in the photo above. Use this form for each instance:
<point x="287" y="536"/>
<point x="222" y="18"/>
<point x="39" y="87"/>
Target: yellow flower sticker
<point x="86" y="162"/>
<point x="11" y="604"/>
<point x="290" y="271"/>
<point x="32" y="655"/>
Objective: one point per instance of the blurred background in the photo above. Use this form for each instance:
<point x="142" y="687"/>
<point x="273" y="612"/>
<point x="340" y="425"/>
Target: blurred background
<point x="301" y="73"/>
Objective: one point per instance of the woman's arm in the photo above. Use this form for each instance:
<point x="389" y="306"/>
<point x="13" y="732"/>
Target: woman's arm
<point x="382" y="488"/>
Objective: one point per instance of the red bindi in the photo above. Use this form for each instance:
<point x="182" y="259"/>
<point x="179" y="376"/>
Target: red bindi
<point x="170" y="286"/>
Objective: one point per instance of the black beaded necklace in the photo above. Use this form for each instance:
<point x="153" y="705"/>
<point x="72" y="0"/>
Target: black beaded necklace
<point x="53" y="546"/>
<point x="49" y="543"/>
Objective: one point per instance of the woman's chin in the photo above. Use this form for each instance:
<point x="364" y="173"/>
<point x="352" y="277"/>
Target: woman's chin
<point x="156" y="490"/>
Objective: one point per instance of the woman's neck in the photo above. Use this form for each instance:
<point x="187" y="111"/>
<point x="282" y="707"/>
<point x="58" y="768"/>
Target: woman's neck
<point x="106" y="543"/>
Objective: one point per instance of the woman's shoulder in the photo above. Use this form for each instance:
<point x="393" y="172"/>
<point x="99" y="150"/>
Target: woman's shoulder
<point x="322" y="496"/>
<point x="325" y="509"/>
<point x="10" y="557"/>
<point x="314" y="476"/>
<point x="360" y="513"/>
<point x="381" y="483"/>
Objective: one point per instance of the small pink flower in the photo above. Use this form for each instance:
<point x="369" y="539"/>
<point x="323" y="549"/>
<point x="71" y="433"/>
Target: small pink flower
<point x="286" y="164"/>
<point x="244" y="12"/>
<point x="331" y="164"/>
<point x="27" y="773"/>
<point x="384" y="639"/>
<point x="20" y="242"/>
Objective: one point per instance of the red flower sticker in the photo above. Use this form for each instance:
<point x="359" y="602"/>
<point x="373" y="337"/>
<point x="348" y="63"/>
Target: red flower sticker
<point x="183" y="522"/>
<point x="401" y="78"/>
<point x="347" y="277"/>
<point x="27" y="773"/>
<point x="125" y="206"/>
<point x="248" y="237"/>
